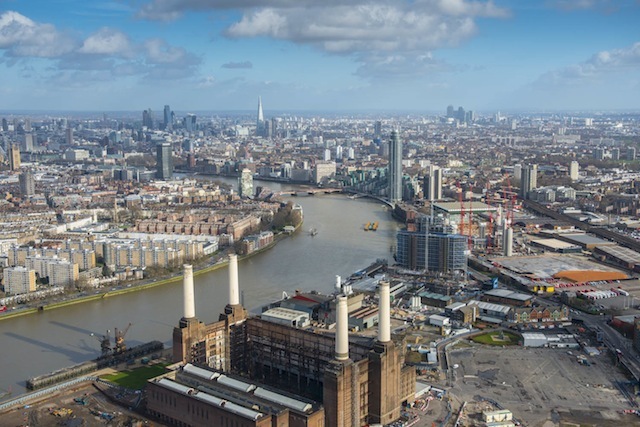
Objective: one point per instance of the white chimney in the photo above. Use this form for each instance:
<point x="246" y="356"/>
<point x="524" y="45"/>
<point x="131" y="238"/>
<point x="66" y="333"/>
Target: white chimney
<point x="188" y="293"/>
<point x="508" y="242"/>
<point x="234" y="290"/>
<point x="342" y="328"/>
<point x="338" y="282"/>
<point x="384" y="313"/>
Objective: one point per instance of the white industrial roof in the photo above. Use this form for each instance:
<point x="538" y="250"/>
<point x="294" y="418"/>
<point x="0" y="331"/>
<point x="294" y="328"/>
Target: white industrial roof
<point x="235" y="384"/>
<point x="175" y="386"/>
<point x="284" y="313"/>
<point x="493" y="307"/>
<point x="200" y="372"/>
<point x="534" y="336"/>
<point x="205" y="397"/>
<point x="289" y="402"/>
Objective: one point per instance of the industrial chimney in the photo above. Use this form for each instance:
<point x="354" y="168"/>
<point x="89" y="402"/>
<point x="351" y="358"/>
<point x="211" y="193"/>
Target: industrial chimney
<point x="342" y="328"/>
<point x="188" y="293"/>
<point x="338" y="283"/>
<point x="384" y="313"/>
<point x="508" y="242"/>
<point x="234" y="290"/>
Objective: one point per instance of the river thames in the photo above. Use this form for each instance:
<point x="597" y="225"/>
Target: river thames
<point x="39" y="343"/>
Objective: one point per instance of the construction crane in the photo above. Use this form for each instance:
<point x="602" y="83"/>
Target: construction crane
<point x="511" y="202"/>
<point x="120" y="345"/>
<point x="105" y="343"/>
<point x="488" y="201"/>
<point x="470" y="217"/>
<point x="460" y="199"/>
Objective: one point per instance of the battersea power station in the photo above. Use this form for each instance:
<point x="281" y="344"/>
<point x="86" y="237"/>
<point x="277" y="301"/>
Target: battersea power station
<point x="275" y="370"/>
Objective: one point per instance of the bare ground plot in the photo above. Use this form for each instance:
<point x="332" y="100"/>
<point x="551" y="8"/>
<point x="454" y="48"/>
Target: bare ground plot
<point x="542" y="384"/>
<point x="70" y="413"/>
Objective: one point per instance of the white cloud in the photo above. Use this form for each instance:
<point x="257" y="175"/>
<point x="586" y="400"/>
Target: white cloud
<point x="107" y="52"/>
<point x="158" y="51"/>
<point x="22" y="37"/>
<point x="600" y="64"/>
<point x="426" y="24"/>
<point x="570" y="5"/>
<point x="366" y="29"/>
<point x="107" y="41"/>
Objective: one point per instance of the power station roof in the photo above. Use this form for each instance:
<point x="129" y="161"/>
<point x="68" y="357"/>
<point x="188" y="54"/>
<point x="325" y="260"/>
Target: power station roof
<point x="289" y="402"/>
<point x="284" y="313"/>
<point x="235" y="384"/>
<point x="200" y="372"/>
<point x="205" y="397"/>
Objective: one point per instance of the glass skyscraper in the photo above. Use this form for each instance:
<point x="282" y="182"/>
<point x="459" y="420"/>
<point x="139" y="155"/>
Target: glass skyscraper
<point x="395" y="168"/>
<point x="164" y="158"/>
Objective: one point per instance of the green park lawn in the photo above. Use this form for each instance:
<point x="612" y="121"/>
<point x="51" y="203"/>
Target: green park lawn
<point x="496" y="338"/>
<point x="136" y="378"/>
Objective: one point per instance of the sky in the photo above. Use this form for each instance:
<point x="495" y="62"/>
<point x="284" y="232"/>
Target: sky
<point x="320" y="55"/>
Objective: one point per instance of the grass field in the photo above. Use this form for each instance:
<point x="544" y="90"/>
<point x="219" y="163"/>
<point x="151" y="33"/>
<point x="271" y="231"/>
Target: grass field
<point x="496" y="338"/>
<point x="136" y="378"/>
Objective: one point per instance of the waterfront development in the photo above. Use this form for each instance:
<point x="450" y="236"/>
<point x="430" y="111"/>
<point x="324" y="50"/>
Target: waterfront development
<point x="43" y="342"/>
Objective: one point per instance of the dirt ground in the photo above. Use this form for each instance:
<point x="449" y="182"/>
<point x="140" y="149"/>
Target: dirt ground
<point x="98" y="410"/>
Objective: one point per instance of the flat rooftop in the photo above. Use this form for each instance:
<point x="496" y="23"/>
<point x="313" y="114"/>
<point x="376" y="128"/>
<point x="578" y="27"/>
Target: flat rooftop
<point x="545" y="266"/>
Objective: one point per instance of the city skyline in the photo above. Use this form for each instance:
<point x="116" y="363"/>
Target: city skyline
<point x="342" y="56"/>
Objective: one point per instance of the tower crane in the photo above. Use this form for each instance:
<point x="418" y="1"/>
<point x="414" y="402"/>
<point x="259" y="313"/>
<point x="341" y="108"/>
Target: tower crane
<point x="488" y="201"/>
<point x="460" y="199"/>
<point x="120" y="345"/>
<point x="105" y="343"/>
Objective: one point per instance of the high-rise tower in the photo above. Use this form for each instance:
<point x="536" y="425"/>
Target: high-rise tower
<point x="164" y="159"/>
<point x="27" y="183"/>
<point x="260" y="113"/>
<point x="14" y="157"/>
<point x="168" y="122"/>
<point x="433" y="184"/>
<point x="395" y="167"/>
<point x="260" y="119"/>
<point x="529" y="180"/>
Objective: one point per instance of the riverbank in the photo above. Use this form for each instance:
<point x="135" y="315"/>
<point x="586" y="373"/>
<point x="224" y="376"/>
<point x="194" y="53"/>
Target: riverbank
<point x="141" y="287"/>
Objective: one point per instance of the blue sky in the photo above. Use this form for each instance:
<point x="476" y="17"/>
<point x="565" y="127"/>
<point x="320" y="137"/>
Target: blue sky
<point x="419" y="55"/>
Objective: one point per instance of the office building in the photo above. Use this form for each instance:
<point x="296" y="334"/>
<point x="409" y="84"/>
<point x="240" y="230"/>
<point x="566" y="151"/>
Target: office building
<point x="574" y="168"/>
<point x="190" y="123"/>
<point x="19" y="280"/>
<point x="147" y="119"/>
<point x="260" y="118"/>
<point x="14" y="157"/>
<point x="27" y="183"/>
<point x="168" y="118"/>
<point x="517" y="171"/>
<point x="246" y="183"/>
<point x="164" y="159"/>
<point x="324" y="171"/>
<point x="529" y="180"/>
<point x="631" y="153"/>
<point x="27" y="142"/>
<point x="69" y="136"/>
<point x="395" y="168"/>
<point x="377" y="129"/>
<point x="433" y="184"/>
<point x="450" y="112"/>
<point x="431" y="251"/>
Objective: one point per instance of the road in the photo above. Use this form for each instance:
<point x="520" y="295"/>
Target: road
<point x="614" y="341"/>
